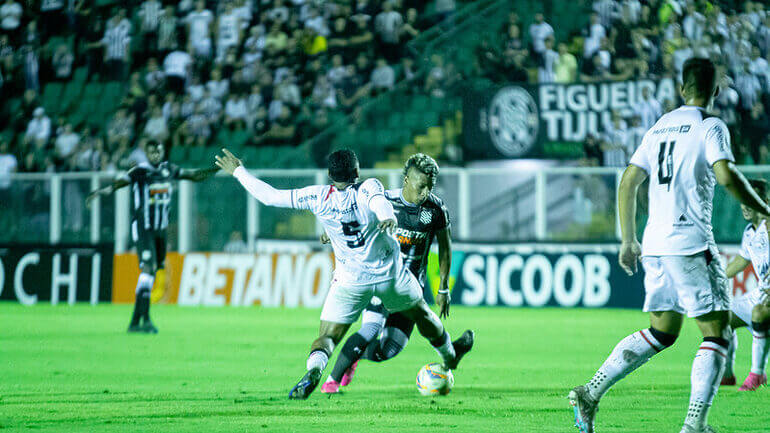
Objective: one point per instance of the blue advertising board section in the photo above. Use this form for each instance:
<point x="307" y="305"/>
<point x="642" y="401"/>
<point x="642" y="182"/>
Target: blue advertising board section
<point x="539" y="275"/>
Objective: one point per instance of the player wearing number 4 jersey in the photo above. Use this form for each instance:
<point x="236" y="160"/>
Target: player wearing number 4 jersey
<point x="684" y="154"/>
<point x="753" y="308"/>
<point x="358" y="220"/>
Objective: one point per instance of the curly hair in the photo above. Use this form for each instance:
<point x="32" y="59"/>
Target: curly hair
<point x="423" y="163"/>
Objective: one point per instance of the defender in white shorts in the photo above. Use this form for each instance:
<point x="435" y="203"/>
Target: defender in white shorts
<point x="753" y="308"/>
<point x="684" y="155"/>
<point x="359" y="221"/>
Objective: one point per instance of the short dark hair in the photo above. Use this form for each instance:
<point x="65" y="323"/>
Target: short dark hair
<point x="760" y="186"/>
<point x="343" y="166"/>
<point x="699" y="75"/>
<point x="153" y="143"/>
<point x="424" y="164"/>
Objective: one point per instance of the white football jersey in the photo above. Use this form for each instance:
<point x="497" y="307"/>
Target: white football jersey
<point x="363" y="254"/>
<point x="754" y="247"/>
<point x="678" y="153"/>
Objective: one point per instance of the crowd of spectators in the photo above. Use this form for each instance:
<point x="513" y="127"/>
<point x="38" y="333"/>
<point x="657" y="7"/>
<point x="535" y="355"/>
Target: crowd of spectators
<point x="275" y="71"/>
<point x="635" y="39"/>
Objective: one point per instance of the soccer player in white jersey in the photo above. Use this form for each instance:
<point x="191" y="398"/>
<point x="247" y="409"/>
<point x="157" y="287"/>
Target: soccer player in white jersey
<point x="684" y="155"/>
<point x="753" y="308"/>
<point x="358" y="220"/>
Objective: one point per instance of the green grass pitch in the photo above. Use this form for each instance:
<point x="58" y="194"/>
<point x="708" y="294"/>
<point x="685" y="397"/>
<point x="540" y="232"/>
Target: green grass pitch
<point x="74" y="369"/>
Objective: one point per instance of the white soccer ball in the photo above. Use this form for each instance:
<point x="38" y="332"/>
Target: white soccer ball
<point x="435" y="379"/>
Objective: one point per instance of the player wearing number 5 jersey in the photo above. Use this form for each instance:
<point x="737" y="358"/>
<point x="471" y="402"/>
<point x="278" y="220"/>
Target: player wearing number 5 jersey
<point x="684" y="155"/>
<point x="358" y="220"/>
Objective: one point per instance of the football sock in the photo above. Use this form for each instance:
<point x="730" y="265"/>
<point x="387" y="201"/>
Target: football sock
<point x="317" y="360"/>
<point x="760" y="346"/>
<point x="631" y="353"/>
<point x="142" y="302"/>
<point x="391" y="343"/>
<point x="730" y="363"/>
<point x="707" y="369"/>
<point x="443" y="346"/>
<point x="350" y="353"/>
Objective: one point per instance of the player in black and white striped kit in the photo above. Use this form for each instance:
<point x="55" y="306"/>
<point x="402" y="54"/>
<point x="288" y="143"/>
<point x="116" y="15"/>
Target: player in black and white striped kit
<point x="151" y="190"/>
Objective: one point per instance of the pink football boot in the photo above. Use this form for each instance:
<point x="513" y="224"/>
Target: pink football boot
<point x="331" y="386"/>
<point x="753" y="381"/>
<point x="349" y="373"/>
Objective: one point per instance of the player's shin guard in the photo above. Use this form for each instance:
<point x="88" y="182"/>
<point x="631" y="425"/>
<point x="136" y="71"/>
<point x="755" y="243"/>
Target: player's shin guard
<point x="631" y="353"/>
<point x="760" y="346"/>
<point x="707" y="369"/>
<point x="730" y="363"/>
<point x="350" y="353"/>
<point x="443" y="346"/>
<point x="142" y="302"/>
<point x="391" y="343"/>
<point x="317" y="360"/>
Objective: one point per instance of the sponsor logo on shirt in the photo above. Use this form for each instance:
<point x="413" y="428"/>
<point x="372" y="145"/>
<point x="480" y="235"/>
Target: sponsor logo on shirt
<point x="683" y="221"/>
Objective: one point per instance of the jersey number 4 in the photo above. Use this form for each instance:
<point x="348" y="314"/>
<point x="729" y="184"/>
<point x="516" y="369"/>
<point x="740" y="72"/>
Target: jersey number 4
<point x="666" y="163"/>
<point x="353" y="228"/>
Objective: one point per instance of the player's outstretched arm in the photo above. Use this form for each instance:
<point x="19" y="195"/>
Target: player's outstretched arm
<point x="733" y="180"/>
<point x="198" y="175"/>
<point x="107" y="190"/>
<point x="263" y="192"/>
<point x="444" y="297"/>
<point x="384" y="212"/>
<point x="736" y="265"/>
<point x="630" y="250"/>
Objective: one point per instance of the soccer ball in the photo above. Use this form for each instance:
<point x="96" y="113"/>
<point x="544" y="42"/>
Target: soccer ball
<point x="434" y="379"/>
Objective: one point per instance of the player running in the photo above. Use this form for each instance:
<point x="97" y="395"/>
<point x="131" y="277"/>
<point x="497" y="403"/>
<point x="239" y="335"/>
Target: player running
<point x="151" y="190"/>
<point x="421" y="217"/>
<point x="358" y="220"/>
<point x="684" y="154"/>
<point x="753" y="309"/>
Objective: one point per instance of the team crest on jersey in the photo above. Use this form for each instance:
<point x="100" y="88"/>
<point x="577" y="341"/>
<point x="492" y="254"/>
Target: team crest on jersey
<point x="425" y="217"/>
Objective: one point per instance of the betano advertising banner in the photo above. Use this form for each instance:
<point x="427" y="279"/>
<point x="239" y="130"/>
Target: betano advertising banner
<point x="481" y="275"/>
<point x="30" y="274"/>
<point x="547" y="120"/>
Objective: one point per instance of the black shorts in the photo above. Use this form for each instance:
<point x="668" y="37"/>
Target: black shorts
<point x="151" y="249"/>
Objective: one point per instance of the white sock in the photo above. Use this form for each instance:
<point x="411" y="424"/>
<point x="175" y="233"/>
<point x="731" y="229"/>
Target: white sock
<point x="317" y="360"/>
<point x="760" y="347"/>
<point x="730" y="364"/>
<point x="145" y="282"/>
<point x="631" y="353"/>
<point x="707" y="369"/>
<point x="445" y="348"/>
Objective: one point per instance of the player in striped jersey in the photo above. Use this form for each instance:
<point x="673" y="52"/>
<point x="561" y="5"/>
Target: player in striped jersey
<point x="151" y="189"/>
<point x="753" y="308"/>
<point x="421" y="217"/>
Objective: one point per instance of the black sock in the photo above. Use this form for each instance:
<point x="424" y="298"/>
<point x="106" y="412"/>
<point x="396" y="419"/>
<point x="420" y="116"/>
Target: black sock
<point x="138" y="310"/>
<point x="350" y="353"/>
<point x="760" y="326"/>
<point x="143" y="303"/>
<point x="718" y="340"/>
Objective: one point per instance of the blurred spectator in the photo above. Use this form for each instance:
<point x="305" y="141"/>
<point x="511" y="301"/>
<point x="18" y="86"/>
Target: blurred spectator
<point x="616" y="147"/>
<point x="383" y="77"/>
<point x="276" y="41"/>
<point x="149" y="13"/>
<point x="66" y="144"/>
<point x="565" y="67"/>
<point x="282" y="130"/>
<point x="410" y="29"/>
<point x="545" y="71"/>
<point x="606" y="10"/>
<point x="387" y="24"/>
<point x="51" y="16"/>
<point x="444" y="9"/>
<point x="31" y="66"/>
<point x="229" y="31"/>
<point x="217" y="86"/>
<point x="39" y="128"/>
<point x="539" y="31"/>
<point x="593" y="151"/>
<point x="199" y="29"/>
<point x="10" y="16"/>
<point x="168" y="37"/>
<point x="120" y="127"/>
<point x="8" y="165"/>
<point x="154" y="78"/>
<point x="648" y="109"/>
<point x="62" y="63"/>
<point x="177" y="67"/>
<point x="157" y="127"/>
<point x="211" y="107"/>
<point x="116" y="42"/>
<point x="748" y="87"/>
<point x="236" y="245"/>
<point x="756" y="131"/>
<point x="236" y="110"/>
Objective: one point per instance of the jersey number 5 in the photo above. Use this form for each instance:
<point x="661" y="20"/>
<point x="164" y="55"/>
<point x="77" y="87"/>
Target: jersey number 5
<point x="353" y="228"/>
<point x="666" y="163"/>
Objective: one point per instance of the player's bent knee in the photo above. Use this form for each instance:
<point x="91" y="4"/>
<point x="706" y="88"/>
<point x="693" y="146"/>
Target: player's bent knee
<point x="663" y="338"/>
<point x="760" y="313"/>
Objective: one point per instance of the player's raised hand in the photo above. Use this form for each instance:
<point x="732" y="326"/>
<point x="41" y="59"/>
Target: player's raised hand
<point x="227" y="161"/>
<point x="629" y="256"/>
<point x="387" y="226"/>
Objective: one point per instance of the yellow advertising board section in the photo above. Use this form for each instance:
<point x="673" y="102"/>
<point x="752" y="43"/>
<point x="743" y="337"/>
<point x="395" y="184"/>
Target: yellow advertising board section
<point x="218" y="279"/>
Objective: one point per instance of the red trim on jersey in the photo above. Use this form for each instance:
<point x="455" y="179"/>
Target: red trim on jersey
<point x="331" y="189"/>
<point x="648" y="341"/>
<point x="713" y="350"/>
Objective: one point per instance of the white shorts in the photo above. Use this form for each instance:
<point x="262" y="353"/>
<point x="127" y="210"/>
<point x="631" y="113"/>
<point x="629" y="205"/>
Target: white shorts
<point x="345" y="302"/>
<point x="685" y="284"/>
<point x="743" y="306"/>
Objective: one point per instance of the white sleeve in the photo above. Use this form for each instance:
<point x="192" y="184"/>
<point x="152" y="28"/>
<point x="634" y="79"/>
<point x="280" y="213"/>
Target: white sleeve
<point x="639" y="158"/>
<point x="372" y="195"/>
<point x="717" y="141"/>
<point x="744" y="251"/>
<point x="263" y="192"/>
<point x="382" y="208"/>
